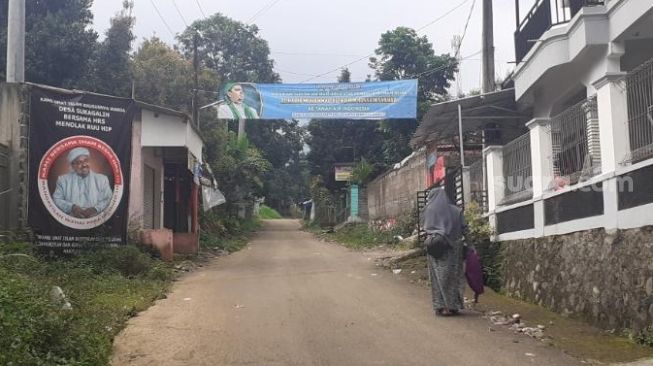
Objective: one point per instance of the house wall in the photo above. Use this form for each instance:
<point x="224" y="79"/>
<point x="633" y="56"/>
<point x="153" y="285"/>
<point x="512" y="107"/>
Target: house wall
<point x="163" y="130"/>
<point x="603" y="277"/>
<point x="142" y="156"/>
<point x="395" y="192"/>
<point x="14" y="131"/>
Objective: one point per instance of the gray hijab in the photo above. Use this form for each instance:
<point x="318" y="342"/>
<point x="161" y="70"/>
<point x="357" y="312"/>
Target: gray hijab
<point x="441" y="217"/>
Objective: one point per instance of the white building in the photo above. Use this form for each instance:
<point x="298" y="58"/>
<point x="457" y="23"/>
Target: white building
<point x="564" y="196"/>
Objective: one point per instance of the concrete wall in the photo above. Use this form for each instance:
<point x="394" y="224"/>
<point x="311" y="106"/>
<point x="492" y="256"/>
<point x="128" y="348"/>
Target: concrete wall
<point x="395" y="192"/>
<point x="14" y="121"/>
<point x="162" y="130"/>
<point x="603" y="277"/>
<point x="140" y="157"/>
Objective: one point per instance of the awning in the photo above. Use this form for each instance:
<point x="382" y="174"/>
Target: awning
<point x="440" y="124"/>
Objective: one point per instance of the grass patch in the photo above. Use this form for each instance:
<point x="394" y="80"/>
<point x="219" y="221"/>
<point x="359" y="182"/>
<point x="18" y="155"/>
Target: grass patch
<point x="232" y="235"/>
<point x="105" y="289"/>
<point x="360" y="236"/>
<point x="268" y="213"/>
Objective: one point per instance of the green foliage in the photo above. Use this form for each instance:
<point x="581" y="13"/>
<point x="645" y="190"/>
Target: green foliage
<point x="267" y="213"/>
<point x="232" y="49"/>
<point x="163" y="77"/>
<point x="360" y="236"/>
<point x="105" y="288"/>
<point x="362" y="172"/>
<point x="343" y="141"/>
<point x="478" y="234"/>
<point x="281" y="143"/>
<point x="110" y="70"/>
<point x="402" y="54"/>
<point x="59" y="41"/>
<point x="221" y="231"/>
<point x="345" y="76"/>
<point x="645" y="337"/>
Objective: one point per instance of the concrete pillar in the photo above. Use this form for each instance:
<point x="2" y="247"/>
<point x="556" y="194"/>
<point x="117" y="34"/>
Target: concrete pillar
<point x="541" y="155"/>
<point x="496" y="182"/>
<point x="16" y="42"/>
<point x="613" y="120"/>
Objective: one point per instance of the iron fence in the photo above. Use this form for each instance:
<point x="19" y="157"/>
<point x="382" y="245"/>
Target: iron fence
<point x="639" y="89"/>
<point x="478" y="184"/>
<point x="575" y="142"/>
<point x="541" y="17"/>
<point x="517" y="170"/>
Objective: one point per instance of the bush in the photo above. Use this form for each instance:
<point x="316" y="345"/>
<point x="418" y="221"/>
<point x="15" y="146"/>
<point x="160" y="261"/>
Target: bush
<point x="105" y="288"/>
<point x="360" y="236"/>
<point x="268" y="213"/>
<point x="478" y="234"/>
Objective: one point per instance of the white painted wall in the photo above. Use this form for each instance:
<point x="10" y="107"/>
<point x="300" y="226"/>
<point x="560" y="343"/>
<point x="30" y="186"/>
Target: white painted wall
<point x="163" y="130"/>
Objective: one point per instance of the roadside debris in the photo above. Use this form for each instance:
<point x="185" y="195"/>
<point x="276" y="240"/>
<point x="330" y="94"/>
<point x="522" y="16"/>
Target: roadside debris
<point x="396" y="271"/>
<point x="515" y="323"/>
<point x="58" y="297"/>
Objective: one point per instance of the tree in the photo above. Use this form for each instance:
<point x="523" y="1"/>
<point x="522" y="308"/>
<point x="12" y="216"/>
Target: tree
<point x="402" y="54"/>
<point x="343" y="141"/>
<point x="163" y="76"/>
<point x="281" y="143"/>
<point x="59" y="41"/>
<point x="345" y="76"/>
<point x="111" y="71"/>
<point x="232" y="49"/>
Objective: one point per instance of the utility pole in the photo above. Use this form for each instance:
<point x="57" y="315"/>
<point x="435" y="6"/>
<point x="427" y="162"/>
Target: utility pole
<point x="488" y="48"/>
<point x="16" y="42"/>
<point x="196" y="68"/>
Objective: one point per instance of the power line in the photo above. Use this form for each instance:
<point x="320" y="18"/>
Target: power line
<point x="313" y="54"/>
<point x="372" y="54"/>
<point x="262" y="10"/>
<point x="174" y="3"/>
<point x="442" y="16"/>
<point x="442" y="67"/>
<point x="469" y="16"/>
<point x="201" y="10"/>
<point x="162" y="19"/>
<point x="292" y="72"/>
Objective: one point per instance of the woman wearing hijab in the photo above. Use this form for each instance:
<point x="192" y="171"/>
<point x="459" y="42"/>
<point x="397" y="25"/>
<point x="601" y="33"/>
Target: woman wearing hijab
<point x="234" y="106"/>
<point x="444" y="225"/>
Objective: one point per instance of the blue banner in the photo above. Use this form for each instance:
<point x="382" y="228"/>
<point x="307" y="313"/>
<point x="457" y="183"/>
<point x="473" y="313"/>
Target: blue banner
<point x="371" y="101"/>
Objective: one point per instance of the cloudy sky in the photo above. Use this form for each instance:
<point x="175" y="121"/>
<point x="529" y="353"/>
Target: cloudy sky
<point x="313" y="37"/>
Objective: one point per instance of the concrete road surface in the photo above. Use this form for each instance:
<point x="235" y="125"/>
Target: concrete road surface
<point x="288" y="299"/>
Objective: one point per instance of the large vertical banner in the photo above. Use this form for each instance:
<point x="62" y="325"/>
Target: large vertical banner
<point x="79" y="168"/>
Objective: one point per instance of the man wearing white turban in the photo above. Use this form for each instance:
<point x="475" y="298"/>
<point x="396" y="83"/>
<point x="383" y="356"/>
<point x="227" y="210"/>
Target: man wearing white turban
<point x="82" y="193"/>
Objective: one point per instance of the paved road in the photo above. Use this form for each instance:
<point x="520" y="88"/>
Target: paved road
<point x="288" y="299"/>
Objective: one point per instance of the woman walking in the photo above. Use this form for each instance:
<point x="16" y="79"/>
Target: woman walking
<point x="444" y="225"/>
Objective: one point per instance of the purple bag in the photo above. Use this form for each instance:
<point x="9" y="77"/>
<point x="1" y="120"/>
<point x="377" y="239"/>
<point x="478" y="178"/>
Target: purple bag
<point x="474" y="273"/>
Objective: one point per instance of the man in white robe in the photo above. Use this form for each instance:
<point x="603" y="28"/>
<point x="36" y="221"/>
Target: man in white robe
<point x="234" y="106"/>
<point x="82" y="193"/>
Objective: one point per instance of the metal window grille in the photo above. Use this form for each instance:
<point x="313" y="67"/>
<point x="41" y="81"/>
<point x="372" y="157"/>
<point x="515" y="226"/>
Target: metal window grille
<point x="575" y="141"/>
<point x="517" y="170"/>
<point x="541" y="17"/>
<point x="639" y="89"/>
<point x="478" y="184"/>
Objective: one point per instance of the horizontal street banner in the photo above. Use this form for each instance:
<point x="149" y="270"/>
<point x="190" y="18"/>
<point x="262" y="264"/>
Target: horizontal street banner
<point x="371" y="101"/>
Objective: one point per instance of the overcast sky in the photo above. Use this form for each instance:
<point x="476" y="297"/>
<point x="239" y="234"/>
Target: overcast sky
<point x="311" y="37"/>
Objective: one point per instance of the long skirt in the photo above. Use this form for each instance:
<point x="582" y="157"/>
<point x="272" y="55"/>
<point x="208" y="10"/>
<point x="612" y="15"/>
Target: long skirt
<point x="446" y="276"/>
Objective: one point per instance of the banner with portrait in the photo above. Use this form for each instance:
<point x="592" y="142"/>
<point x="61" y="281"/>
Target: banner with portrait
<point x="368" y="101"/>
<point x="79" y="169"/>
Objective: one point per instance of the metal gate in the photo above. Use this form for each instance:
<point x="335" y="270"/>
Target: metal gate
<point x="4" y="187"/>
<point x="453" y="187"/>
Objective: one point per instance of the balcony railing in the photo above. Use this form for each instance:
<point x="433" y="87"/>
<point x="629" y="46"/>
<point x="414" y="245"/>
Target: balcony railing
<point x="576" y="143"/>
<point x="639" y="89"/>
<point x="517" y="169"/>
<point x="541" y="17"/>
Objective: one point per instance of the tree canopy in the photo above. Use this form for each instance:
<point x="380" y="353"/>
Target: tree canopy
<point x="59" y="41"/>
<point x="232" y="49"/>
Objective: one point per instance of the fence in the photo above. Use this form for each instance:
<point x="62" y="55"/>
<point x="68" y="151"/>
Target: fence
<point x="541" y="17"/>
<point x="478" y="184"/>
<point x="639" y="89"/>
<point x="517" y="170"/>
<point x="453" y="187"/>
<point x="575" y="142"/>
